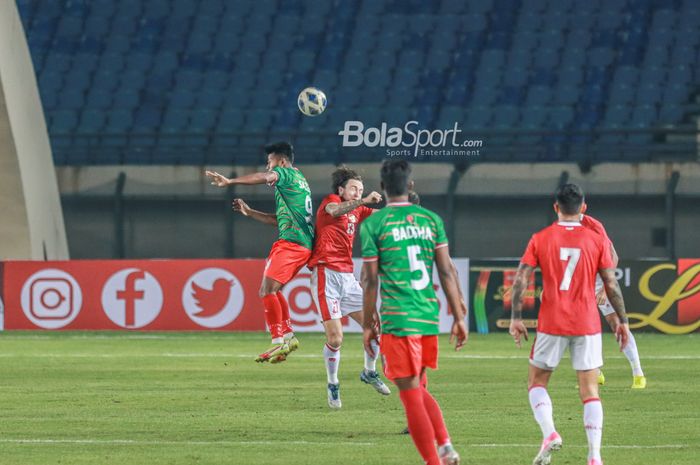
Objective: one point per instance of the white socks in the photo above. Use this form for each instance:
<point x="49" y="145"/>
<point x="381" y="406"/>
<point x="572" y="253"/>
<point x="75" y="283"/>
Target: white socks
<point x="332" y="357"/>
<point x="371" y="363"/>
<point x="593" y="422"/>
<point x="633" y="356"/>
<point x="542" y="409"/>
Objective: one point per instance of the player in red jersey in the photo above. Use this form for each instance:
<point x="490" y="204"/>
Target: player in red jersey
<point x="335" y="290"/>
<point x="570" y="256"/>
<point x="293" y="218"/>
<point x="639" y="381"/>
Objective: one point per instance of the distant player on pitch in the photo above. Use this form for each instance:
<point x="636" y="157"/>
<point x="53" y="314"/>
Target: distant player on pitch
<point x="335" y="290"/>
<point x="399" y="245"/>
<point x="294" y="219"/>
<point x="639" y="381"/>
<point x="570" y="256"/>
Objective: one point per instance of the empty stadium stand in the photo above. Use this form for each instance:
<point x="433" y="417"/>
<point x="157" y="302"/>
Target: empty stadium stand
<point x="207" y="81"/>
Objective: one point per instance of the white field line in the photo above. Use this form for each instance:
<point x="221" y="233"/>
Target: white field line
<point x="238" y="355"/>
<point x="134" y="442"/>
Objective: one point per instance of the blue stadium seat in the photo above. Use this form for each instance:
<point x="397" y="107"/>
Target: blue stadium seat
<point x="534" y="117"/>
<point x="560" y="116"/>
<point x="235" y="68"/>
<point x="63" y="121"/>
<point x="92" y="121"/>
<point x="671" y="114"/>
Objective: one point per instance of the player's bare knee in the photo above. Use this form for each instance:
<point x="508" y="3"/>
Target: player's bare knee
<point x="588" y="392"/>
<point x="334" y="339"/>
<point x="269" y="286"/>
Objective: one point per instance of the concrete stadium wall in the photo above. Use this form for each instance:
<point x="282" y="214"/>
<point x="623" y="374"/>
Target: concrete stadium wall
<point x="173" y="212"/>
<point x="30" y="208"/>
<point x="196" y="227"/>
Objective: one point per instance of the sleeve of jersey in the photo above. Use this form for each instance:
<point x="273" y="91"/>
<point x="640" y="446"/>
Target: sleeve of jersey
<point x="370" y="253"/>
<point x="606" y="261"/>
<point x="365" y="212"/>
<point x="595" y="225"/>
<point x="282" y="176"/>
<point x="530" y="255"/>
<point x="441" y="239"/>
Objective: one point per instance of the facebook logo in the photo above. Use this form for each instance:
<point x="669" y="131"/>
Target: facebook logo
<point x="132" y="298"/>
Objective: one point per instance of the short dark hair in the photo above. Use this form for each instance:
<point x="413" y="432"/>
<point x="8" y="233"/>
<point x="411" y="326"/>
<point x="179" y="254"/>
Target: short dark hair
<point x="281" y="148"/>
<point x="395" y="175"/>
<point x="569" y="198"/>
<point x="341" y="176"/>
<point x="413" y="197"/>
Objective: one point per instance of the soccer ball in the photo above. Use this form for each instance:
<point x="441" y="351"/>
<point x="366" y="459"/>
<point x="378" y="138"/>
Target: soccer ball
<point x="312" y="101"/>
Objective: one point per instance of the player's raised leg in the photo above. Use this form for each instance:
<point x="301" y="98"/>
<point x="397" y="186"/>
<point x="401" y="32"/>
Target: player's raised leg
<point x="274" y="319"/>
<point x="325" y="291"/>
<point x="287" y="329"/>
<point x="284" y="262"/>
<point x="331" y="357"/>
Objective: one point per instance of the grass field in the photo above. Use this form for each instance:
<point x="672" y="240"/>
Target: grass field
<point x="198" y="398"/>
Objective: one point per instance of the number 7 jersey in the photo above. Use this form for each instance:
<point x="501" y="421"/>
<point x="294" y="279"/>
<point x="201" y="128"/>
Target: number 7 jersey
<point x="402" y="238"/>
<point x="294" y="208"/>
<point x="569" y="256"/>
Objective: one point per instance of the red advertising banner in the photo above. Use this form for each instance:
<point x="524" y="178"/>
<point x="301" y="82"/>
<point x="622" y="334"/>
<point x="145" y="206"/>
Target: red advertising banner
<point x="689" y="298"/>
<point x="133" y="294"/>
<point x="159" y="295"/>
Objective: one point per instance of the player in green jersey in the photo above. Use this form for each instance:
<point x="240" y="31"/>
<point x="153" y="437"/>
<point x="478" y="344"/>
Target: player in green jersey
<point x="400" y="243"/>
<point x="294" y="219"/>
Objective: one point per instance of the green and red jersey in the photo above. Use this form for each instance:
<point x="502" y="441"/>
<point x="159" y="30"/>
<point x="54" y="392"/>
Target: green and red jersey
<point x="403" y="238"/>
<point x="294" y="208"/>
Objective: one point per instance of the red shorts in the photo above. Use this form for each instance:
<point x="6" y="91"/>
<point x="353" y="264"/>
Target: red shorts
<point x="285" y="260"/>
<point x="406" y="356"/>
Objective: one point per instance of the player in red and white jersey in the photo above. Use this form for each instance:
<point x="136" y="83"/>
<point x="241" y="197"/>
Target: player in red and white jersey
<point x="569" y="256"/>
<point x="639" y="381"/>
<point x="335" y="290"/>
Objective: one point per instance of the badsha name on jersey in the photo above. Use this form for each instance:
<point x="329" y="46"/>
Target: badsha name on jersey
<point x="402" y="233"/>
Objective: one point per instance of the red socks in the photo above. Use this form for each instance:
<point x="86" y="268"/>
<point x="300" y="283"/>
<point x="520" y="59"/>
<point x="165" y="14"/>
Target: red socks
<point x="273" y="315"/>
<point x="286" y="321"/>
<point x="435" y="414"/>
<point x="419" y="424"/>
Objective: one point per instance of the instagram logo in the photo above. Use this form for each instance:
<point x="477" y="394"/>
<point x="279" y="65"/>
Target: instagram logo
<point x="51" y="298"/>
<point x="132" y="298"/>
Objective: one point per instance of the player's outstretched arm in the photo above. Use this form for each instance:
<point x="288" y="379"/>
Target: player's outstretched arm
<point x="517" y="327"/>
<point x="370" y="283"/>
<point x="614" y="293"/>
<point x="219" y="180"/>
<point x="339" y="209"/>
<point x="455" y="301"/>
<point x="241" y="207"/>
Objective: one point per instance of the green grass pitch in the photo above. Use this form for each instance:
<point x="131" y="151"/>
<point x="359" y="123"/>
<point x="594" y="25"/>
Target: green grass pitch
<point x="198" y="398"/>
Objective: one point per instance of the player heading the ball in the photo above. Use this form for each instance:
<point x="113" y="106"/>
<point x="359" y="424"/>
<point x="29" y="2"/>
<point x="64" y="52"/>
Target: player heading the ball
<point x="294" y="220"/>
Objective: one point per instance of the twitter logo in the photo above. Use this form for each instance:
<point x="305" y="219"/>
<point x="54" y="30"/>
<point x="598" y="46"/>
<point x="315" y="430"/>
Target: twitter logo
<point x="213" y="297"/>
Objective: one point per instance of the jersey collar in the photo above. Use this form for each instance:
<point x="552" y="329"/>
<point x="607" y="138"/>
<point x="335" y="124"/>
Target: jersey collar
<point x="569" y="223"/>
<point x="399" y="204"/>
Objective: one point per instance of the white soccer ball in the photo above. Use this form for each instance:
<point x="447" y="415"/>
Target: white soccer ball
<point x="312" y="101"/>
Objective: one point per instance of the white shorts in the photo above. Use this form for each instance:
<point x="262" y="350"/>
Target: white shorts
<point x="335" y="294"/>
<point x="586" y="351"/>
<point x="607" y="308"/>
